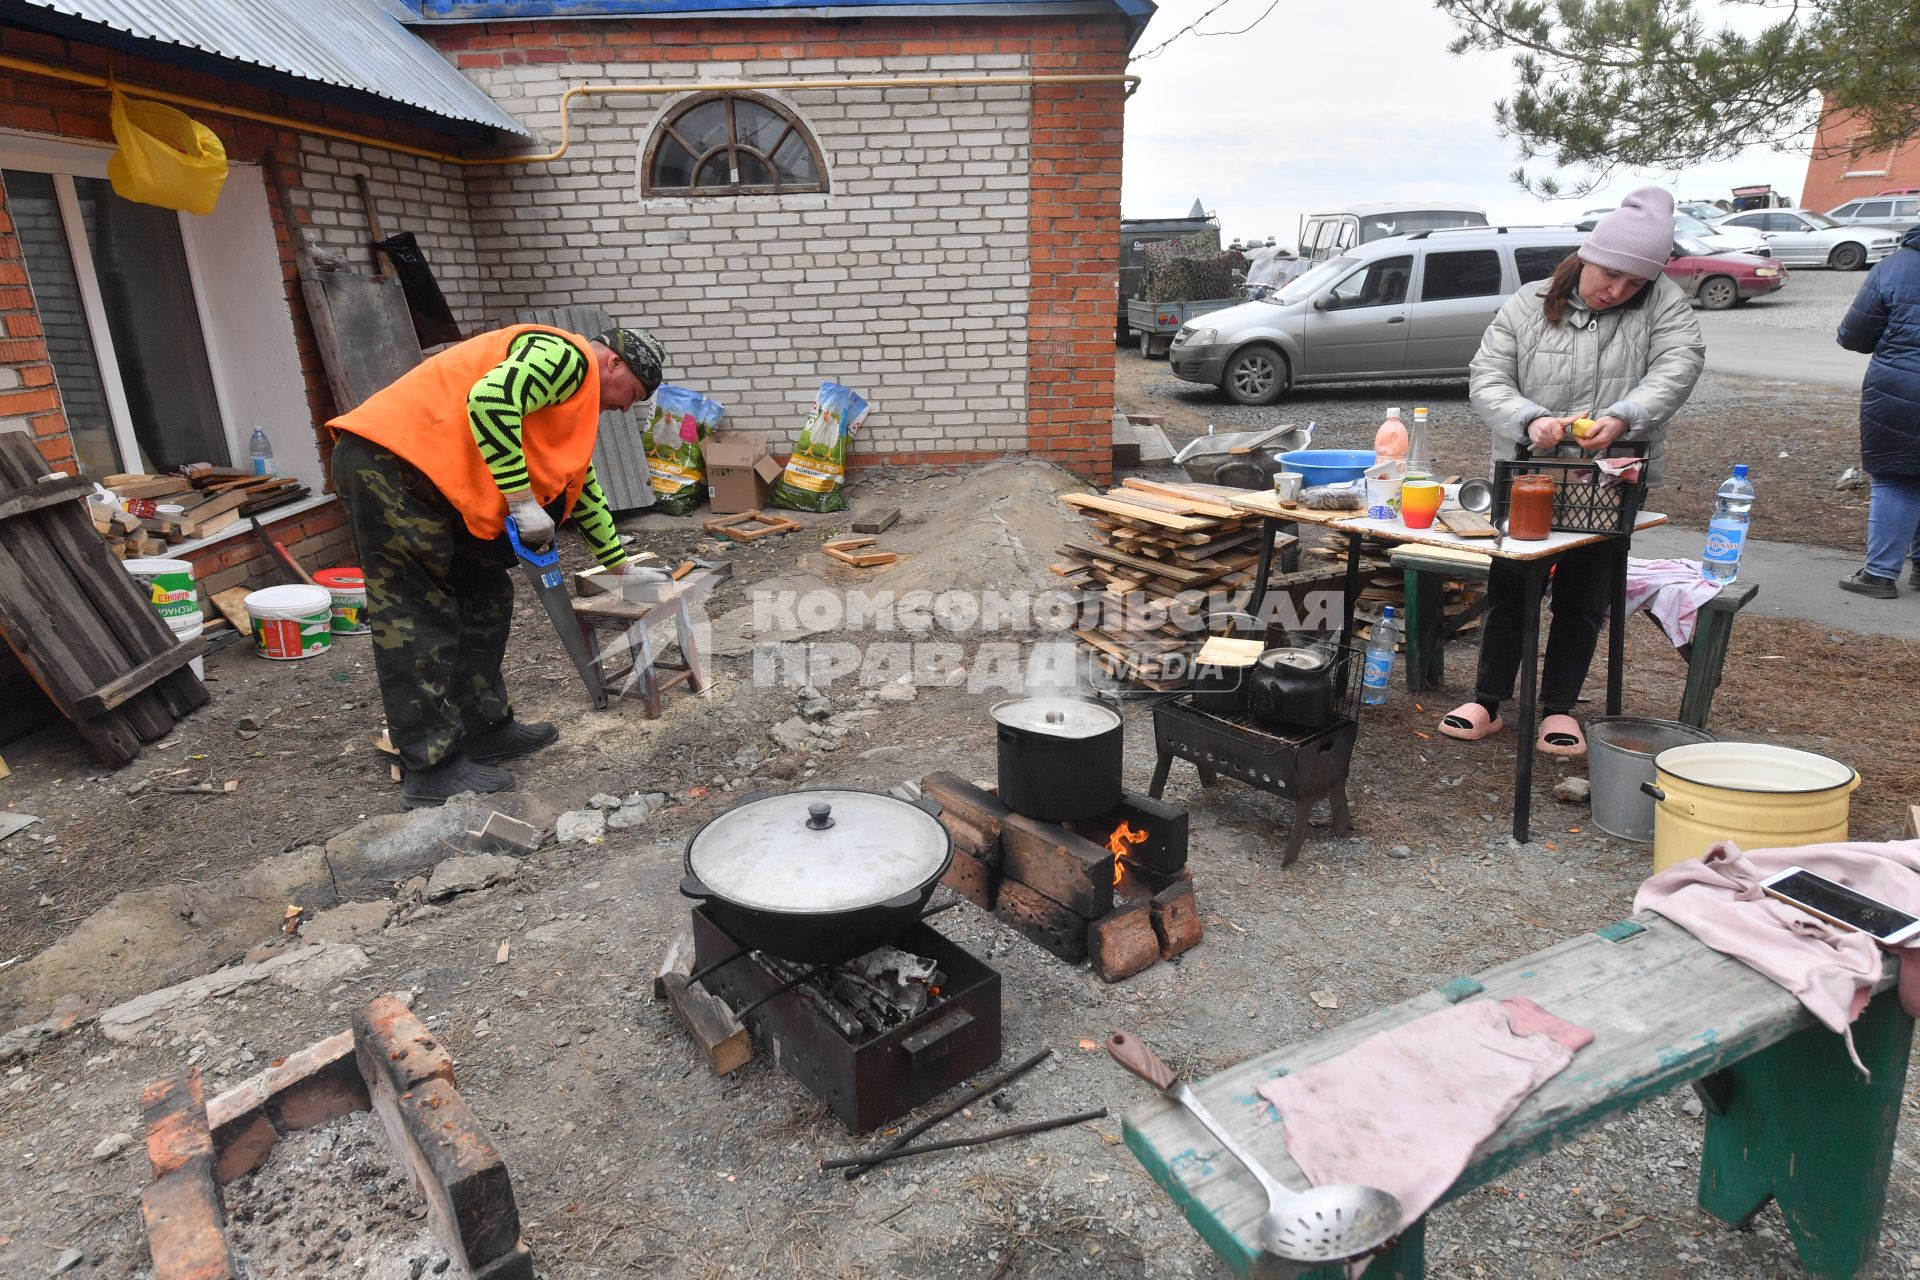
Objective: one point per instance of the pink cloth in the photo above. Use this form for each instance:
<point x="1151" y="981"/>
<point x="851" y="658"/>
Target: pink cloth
<point x="1717" y="899"/>
<point x="1672" y="591"/>
<point x="1403" y="1110"/>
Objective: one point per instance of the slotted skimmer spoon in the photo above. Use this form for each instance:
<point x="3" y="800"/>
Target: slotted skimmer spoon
<point x="1320" y="1225"/>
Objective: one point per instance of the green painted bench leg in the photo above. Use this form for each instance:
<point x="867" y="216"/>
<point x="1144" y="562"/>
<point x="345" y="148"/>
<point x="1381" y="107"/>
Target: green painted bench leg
<point x="1426" y="649"/>
<point x="1404" y="1259"/>
<point x="1706" y="657"/>
<point x="1802" y="1127"/>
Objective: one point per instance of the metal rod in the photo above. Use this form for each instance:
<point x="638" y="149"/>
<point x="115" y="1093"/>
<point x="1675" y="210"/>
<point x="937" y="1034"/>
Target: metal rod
<point x="906" y="1136"/>
<point x="1038" y="1126"/>
<point x="707" y="970"/>
<point x="740" y="1015"/>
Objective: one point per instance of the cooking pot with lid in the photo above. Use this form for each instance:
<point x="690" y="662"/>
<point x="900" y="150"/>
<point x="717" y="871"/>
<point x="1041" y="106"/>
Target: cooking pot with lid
<point x="817" y="877"/>
<point x="1059" y="757"/>
<point x="1291" y="690"/>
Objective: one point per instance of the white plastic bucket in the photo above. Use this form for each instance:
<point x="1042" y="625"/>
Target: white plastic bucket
<point x="168" y="584"/>
<point x="189" y="628"/>
<point x="291" y="622"/>
<point x="348" y="588"/>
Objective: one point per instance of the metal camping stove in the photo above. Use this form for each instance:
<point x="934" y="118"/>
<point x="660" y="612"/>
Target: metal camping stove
<point x="865" y="1077"/>
<point x="1302" y="768"/>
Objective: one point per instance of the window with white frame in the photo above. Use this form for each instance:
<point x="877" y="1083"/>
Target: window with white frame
<point x="115" y="295"/>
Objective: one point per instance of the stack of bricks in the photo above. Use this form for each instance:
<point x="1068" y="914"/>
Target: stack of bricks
<point x="1059" y="888"/>
<point x="388" y="1061"/>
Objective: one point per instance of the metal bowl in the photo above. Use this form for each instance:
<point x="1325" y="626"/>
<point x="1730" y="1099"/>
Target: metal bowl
<point x="1476" y="495"/>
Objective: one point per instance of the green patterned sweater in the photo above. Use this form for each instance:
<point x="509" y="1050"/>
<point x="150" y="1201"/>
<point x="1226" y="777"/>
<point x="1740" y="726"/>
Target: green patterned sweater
<point x="540" y="370"/>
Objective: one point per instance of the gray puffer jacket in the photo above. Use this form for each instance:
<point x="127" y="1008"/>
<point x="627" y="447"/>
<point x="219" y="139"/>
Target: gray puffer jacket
<point x="1637" y="364"/>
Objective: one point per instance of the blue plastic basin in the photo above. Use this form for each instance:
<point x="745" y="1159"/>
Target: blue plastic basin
<point x="1326" y="466"/>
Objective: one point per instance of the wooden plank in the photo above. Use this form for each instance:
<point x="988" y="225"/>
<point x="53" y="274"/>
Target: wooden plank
<point x="1468" y="524"/>
<point x="26" y="621"/>
<point x="861" y="560"/>
<point x="133" y="632"/>
<point x="45" y="493"/>
<point x="153" y="487"/>
<point x="1199" y="503"/>
<point x="710" y="1022"/>
<point x="1179" y="575"/>
<point x="1664" y="1009"/>
<point x="1143" y="515"/>
<point x="118" y="690"/>
<point x="848" y="544"/>
<point x="232" y="604"/>
<point x="877" y="524"/>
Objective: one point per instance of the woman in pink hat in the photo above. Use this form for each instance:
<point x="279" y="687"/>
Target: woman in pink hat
<point x="1607" y="337"/>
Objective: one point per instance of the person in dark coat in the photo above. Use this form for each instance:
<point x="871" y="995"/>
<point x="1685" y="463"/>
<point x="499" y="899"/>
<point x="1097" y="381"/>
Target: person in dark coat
<point x="1884" y="320"/>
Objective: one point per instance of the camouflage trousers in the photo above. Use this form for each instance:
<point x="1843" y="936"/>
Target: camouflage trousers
<point x="439" y="602"/>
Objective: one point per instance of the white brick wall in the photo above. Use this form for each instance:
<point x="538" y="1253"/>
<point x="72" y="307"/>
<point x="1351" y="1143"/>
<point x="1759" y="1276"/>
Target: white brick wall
<point x="907" y="280"/>
<point x="426" y="197"/>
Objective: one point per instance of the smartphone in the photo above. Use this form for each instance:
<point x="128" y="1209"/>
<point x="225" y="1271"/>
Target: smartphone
<point x="1816" y="895"/>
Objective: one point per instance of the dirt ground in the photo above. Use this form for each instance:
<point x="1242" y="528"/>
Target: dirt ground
<point x="628" y="1158"/>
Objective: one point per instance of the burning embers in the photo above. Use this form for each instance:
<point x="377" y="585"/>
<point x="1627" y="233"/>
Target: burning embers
<point x="1113" y="889"/>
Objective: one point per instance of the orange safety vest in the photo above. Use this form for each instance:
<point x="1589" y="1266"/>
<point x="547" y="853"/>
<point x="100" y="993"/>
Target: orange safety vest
<point x="422" y="417"/>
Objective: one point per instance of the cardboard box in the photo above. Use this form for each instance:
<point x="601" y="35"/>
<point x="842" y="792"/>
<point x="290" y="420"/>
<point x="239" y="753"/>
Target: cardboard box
<point x="740" y="475"/>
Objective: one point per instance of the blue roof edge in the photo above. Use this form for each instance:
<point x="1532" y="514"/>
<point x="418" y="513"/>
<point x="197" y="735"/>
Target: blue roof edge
<point x="436" y="11"/>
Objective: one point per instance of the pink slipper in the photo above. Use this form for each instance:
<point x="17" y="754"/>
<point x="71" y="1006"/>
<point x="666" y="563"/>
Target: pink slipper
<point x="1470" y="723"/>
<point x="1565" y="727"/>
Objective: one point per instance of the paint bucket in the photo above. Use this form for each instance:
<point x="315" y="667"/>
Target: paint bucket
<point x="294" y="621"/>
<point x="348" y="587"/>
<point x="187" y="628"/>
<point x="168" y="584"/>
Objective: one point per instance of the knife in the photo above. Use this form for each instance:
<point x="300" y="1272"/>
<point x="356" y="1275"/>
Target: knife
<point x="543" y="571"/>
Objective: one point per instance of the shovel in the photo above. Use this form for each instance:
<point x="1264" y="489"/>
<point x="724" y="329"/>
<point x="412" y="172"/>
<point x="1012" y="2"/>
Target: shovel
<point x="543" y="571"/>
<point x="1321" y="1225"/>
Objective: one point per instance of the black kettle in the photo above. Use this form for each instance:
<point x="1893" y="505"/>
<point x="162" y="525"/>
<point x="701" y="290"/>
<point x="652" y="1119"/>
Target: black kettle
<point x="1291" y="690"/>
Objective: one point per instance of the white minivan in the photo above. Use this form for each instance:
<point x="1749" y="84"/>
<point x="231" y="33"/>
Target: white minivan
<point x="1330" y="234"/>
<point x="1411" y="306"/>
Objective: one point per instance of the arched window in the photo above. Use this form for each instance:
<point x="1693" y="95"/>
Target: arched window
<point x="721" y="144"/>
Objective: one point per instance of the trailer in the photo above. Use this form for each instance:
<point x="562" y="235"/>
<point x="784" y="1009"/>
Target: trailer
<point x="1135" y="235"/>
<point x="1155" y="323"/>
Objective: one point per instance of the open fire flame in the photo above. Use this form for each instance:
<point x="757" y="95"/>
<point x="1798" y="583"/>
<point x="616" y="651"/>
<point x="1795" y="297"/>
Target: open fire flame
<point x="1117" y="843"/>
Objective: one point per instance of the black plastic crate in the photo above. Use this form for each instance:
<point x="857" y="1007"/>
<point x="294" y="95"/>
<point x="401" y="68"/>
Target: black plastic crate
<point x="1582" y="500"/>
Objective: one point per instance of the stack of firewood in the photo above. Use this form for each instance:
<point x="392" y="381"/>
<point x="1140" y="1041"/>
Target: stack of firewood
<point x="1155" y="554"/>
<point x="209" y="500"/>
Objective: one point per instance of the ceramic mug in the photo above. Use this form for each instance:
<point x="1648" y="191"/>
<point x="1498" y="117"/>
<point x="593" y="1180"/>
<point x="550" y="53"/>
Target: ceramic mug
<point x="1286" y="485"/>
<point x="1419" y="503"/>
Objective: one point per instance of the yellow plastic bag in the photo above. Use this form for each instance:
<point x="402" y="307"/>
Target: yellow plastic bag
<point x="166" y="157"/>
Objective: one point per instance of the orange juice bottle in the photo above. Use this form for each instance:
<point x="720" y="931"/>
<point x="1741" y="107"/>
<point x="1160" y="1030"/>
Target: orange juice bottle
<point x="1390" y="441"/>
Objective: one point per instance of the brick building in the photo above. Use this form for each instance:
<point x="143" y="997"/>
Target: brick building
<point x="922" y="204"/>
<point x="1837" y="172"/>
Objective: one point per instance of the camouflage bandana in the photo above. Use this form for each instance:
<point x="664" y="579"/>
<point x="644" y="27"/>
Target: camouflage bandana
<point x="640" y="351"/>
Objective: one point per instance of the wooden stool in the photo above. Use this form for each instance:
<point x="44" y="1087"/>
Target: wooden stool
<point x="633" y="621"/>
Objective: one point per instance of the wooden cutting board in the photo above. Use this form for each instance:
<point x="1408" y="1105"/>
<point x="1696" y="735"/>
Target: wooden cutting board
<point x="1467" y="524"/>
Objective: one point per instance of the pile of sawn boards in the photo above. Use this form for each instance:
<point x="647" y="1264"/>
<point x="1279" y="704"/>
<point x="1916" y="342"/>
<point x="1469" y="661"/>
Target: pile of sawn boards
<point x="1152" y="549"/>
<point x="211" y="498"/>
<point x="76" y="619"/>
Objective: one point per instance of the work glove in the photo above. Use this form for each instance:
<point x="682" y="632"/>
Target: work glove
<point x="535" y="525"/>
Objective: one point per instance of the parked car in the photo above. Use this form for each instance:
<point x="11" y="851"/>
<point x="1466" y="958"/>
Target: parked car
<point x="1330" y="234"/>
<point x="1801" y="238"/>
<point x="1897" y="212"/>
<point x="1411" y="306"/>
<point x="1729" y="240"/>
<point x="1720" y="280"/>
<point x="1705" y="210"/>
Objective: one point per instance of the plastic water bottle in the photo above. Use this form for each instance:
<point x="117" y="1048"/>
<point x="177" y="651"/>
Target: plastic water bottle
<point x="260" y="449"/>
<point x="1727" y="534"/>
<point x="1379" y="668"/>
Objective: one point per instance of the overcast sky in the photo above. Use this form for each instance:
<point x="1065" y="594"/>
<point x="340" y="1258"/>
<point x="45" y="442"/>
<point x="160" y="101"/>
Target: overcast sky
<point x="1332" y="102"/>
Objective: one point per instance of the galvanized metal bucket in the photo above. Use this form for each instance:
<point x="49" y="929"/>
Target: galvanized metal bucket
<point x="1620" y="752"/>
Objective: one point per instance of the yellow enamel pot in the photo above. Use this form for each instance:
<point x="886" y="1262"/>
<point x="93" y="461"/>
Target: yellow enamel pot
<point x="1757" y="795"/>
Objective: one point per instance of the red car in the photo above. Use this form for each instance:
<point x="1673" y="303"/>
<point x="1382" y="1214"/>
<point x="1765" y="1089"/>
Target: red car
<point x="1720" y="280"/>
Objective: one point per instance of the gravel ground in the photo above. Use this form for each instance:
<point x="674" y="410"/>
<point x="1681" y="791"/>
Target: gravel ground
<point x="1797" y="439"/>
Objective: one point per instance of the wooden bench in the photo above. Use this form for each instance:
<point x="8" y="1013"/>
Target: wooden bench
<point x="1428" y="629"/>
<point x="1788" y="1117"/>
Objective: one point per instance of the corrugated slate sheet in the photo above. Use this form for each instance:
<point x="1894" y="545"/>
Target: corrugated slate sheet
<point x="351" y="44"/>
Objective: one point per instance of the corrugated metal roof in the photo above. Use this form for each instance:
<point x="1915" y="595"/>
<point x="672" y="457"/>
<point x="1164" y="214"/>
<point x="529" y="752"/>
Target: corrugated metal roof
<point x="350" y="44"/>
